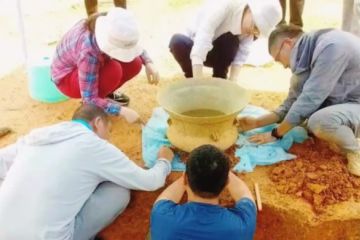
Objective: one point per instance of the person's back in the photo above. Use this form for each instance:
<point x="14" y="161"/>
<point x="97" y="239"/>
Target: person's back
<point x="199" y="221"/>
<point x="60" y="173"/>
<point x="349" y="81"/>
<point x="57" y="170"/>
<point x="207" y="173"/>
<point x="335" y="53"/>
<point x="324" y="89"/>
<point x="74" y="46"/>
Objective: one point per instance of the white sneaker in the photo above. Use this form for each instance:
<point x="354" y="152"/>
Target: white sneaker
<point x="354" y="163"/>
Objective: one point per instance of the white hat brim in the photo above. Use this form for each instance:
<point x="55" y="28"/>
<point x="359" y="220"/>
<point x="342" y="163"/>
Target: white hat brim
<point x="265" y="21"/>
<point x="118" y="53"/>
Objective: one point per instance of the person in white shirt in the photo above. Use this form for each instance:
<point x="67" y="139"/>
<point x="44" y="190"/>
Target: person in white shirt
<point x="66" y="181"/>
<point x="221" y="35"/>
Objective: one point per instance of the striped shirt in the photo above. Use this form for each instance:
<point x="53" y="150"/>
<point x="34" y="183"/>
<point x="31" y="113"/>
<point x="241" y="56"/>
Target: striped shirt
<point x="78" y="50"/>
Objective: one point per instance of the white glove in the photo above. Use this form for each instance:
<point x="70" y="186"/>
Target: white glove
<point x="129" y="114"/>
<point x="197" y="71"/>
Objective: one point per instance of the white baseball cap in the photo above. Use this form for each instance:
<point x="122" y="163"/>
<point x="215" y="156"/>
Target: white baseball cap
<point x="266" y="14"/>
<point x="117" y="35"/>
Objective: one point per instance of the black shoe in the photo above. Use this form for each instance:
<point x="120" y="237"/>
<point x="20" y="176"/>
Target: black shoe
<point x="120" y="98"/>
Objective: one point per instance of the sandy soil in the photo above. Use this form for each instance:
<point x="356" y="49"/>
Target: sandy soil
<point x="46" y="20"/>
<point x="310" y="198"/>
<point x="315" y="200"/>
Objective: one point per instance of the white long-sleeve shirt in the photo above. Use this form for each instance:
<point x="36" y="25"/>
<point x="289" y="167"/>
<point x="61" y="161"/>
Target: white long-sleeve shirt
<point x="213" y="20"/>
<point x="50" y="173"/>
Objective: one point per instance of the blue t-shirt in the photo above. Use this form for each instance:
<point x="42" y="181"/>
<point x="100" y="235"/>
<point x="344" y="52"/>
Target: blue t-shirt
<point x="197" y="221"/>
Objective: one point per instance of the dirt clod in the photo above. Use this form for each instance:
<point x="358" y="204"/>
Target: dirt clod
<point x="318" y="175"/>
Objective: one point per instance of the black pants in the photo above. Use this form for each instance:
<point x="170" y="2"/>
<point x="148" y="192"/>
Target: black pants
<point x="219" y="58"/>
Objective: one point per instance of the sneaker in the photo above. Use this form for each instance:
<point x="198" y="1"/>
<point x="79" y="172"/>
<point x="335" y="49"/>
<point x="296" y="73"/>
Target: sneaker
<point x="120" y="98"/>
<point x="354" y="163"/>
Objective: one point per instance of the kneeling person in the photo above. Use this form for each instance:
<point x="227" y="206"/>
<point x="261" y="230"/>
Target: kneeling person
<point x="67" y="182"/>
<point x="207" y="174"/>
<point x="324" y="89"/>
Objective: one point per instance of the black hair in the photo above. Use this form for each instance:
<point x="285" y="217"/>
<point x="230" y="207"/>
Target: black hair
<point x="284" y="31"/>
<point x="207" y="171"/>
<point x="89" y="112"/>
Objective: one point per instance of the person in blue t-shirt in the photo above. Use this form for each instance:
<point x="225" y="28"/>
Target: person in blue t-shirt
<point x="207" y="174"/>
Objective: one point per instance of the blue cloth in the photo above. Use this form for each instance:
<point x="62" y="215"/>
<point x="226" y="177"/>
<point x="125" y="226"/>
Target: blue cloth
<point x="251" y="154"/>
<point x="154" y="136"/>
<point x="171" y="221"/>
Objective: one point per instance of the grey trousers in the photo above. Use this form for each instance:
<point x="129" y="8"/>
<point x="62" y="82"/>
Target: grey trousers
<point x="338" y="124"/>
<point x="106" y="203"/>
<point x="351" y="16"/>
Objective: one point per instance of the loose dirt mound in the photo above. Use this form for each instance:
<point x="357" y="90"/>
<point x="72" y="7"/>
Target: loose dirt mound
<point x="318" y="175"/>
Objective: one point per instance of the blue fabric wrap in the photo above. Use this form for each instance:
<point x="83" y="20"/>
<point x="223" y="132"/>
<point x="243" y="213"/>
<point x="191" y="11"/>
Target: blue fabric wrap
<point x="251" y="155"/>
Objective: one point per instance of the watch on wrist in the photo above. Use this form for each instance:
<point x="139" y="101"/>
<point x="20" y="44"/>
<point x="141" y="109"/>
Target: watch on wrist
<point x="275" y="133"/>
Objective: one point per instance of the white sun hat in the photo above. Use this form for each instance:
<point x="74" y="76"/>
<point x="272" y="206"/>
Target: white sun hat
<point x="266" y="13"/>
<point x="117" y="35"/>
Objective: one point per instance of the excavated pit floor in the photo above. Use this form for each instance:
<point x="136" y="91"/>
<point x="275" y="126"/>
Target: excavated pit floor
<point x="312" y="197"/>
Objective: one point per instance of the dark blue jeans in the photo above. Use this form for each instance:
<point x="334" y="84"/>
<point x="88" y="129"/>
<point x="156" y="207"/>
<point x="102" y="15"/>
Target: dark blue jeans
<point x="219" y="58"/>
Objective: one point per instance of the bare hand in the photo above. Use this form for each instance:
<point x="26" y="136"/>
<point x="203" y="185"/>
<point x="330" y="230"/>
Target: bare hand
<point x="152" y="73"/>
<point x="237" y="188"/>
<point x="246" y="123"/>
<point x="231" y="177"/>
<point x="262" y="138"/>
<point x="166" y="153"/>
<point x="130" y="115"/>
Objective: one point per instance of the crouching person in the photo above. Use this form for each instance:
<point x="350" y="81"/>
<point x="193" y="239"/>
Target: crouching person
<point x="67" y="181"/>
<point x="207" y="174"/>
<point x="221" y="35"/>
<point x="324" y="89"/>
